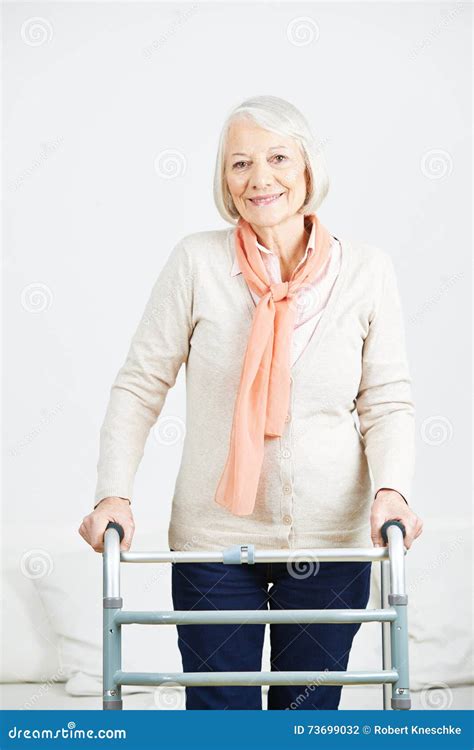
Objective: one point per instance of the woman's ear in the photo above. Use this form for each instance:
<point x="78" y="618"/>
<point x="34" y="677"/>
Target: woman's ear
<point x="230" y="202"/>
<point x="307" y="176"/>
<point x="302" y="209"/>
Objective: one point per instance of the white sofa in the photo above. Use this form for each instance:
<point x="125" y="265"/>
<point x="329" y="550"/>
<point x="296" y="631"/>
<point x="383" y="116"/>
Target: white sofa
<point x="52" y="622"/>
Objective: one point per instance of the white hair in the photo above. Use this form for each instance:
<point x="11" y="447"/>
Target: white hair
<point x="279" y="116"/>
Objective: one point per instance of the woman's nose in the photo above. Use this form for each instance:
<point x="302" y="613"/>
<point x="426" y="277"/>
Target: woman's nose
<point x="261" y="175"/>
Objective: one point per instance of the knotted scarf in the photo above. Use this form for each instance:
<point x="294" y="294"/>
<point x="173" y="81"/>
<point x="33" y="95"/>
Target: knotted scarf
<point x="263" y="395"/>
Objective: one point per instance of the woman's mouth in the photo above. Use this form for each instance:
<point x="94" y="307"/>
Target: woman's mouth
<point x="265" y="200"/>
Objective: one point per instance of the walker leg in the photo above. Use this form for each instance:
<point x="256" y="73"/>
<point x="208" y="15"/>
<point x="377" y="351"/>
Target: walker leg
<point x="386" y="658"/>
<point x="398" y="600"/>
<point x="112" y="656"/>
<point x="399" y="642"/>
<point x="112" y="632"/>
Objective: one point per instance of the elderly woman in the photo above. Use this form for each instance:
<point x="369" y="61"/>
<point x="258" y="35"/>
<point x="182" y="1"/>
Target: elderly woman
<point x="288" y="333"/>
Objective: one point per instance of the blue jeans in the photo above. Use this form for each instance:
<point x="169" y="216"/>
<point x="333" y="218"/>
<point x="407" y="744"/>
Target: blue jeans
<point x="306" y="646"/>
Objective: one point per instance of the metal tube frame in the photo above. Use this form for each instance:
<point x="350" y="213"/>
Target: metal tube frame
<point x="394" y="676"/>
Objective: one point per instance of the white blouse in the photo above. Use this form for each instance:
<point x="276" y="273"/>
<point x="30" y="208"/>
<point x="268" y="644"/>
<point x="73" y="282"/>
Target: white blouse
<point x="311" y="299"/>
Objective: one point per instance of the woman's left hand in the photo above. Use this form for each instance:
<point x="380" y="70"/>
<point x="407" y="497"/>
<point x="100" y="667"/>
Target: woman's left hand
<point x="389" y="505"/>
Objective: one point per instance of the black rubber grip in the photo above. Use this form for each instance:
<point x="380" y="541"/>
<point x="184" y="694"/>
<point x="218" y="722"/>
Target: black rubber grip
<point x="118" y="527"/>
<point x="393" y="522"/>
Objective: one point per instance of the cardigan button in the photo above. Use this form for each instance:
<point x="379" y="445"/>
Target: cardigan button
<point x="287" y="489"/>
<point x="286" y="453"/>
<point x="287" y="520"/>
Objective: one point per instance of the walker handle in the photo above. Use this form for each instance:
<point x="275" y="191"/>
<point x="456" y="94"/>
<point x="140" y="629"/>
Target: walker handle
<point x="392" y="522"/>
<point x="118" y="527"/>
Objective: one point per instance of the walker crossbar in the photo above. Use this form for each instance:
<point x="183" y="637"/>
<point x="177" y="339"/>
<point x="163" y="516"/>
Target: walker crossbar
<point x="247" y="616"/>
<point x="394" y="676"/>
<point x="256" y="678"/>
<point x="264" y="555"/>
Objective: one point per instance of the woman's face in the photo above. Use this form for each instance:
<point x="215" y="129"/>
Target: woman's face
<point x="260" y="163"/>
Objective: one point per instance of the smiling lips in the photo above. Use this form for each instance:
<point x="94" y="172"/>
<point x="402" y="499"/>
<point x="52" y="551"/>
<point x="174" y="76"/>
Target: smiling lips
<point x="265" y="200"/>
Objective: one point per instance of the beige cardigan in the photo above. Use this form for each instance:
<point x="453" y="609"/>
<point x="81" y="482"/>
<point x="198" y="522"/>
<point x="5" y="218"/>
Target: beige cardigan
<point x="315" y="489"/>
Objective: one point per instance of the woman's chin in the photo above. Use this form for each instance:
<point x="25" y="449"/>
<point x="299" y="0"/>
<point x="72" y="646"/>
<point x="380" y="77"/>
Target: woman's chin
<point x="267" y="216"/>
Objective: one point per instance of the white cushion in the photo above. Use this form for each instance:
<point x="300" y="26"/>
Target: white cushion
<point x="72" y="596"/>
<point x="29" y="644"/>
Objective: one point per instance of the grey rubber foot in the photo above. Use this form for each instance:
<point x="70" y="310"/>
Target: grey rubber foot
<point x="401" y="704"/>
<point x="112" y="705"/>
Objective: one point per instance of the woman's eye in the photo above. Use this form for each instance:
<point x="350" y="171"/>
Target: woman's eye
<point x="240" y="164"/>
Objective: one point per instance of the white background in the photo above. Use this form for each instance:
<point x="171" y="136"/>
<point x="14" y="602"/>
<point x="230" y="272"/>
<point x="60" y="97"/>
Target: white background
<point x="94" y="97"/>
<point x="91" y="215"/>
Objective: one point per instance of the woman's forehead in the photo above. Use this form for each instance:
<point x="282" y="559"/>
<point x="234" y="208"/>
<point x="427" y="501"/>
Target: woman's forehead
<point x="246" y="137"/>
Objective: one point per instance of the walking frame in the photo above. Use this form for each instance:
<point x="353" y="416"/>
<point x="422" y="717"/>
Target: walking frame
<point x="394" y="675"/>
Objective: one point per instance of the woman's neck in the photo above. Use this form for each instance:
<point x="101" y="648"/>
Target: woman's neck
<point x="288" y="240"/>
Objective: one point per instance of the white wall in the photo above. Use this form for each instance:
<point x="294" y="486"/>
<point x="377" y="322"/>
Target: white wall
<point x="87" y="215"/>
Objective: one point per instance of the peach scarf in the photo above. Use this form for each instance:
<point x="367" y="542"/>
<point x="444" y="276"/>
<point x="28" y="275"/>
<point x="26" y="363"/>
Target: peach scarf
<point x="264" y="390"/>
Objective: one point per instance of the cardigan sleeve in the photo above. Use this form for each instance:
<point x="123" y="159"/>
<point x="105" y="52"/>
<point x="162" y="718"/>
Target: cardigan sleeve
<point x="384" y="402"/>
<point x="159" y="346"/>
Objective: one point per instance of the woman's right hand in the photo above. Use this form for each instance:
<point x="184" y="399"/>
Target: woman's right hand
<point x="94" y="524"/>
